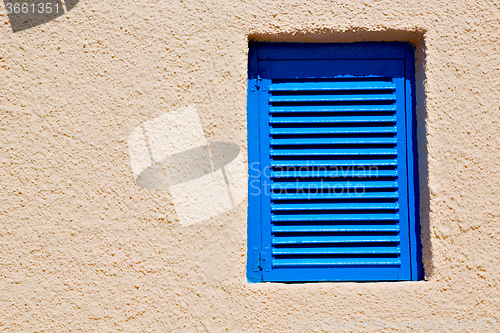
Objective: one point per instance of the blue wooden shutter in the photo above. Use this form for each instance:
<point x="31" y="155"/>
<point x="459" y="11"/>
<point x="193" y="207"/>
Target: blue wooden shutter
<point x="335" y="169"/>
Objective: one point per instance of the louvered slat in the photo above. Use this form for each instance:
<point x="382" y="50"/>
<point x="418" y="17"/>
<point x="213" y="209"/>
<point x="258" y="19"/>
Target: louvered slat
<point x="332" y="120"/>
<point x="331" y="108"/>
<point x="329" y="196"/>
<point x="336" y="228"/>
<point x="334" y="206"/>
<point x="333" y="152"/>
<point x="339" y="262"/>
<point x="334" y="217"/>
<point x="332" y="141"/>
<point x="334" y="173"/>
<point x="336" y="250"/>
<point x="332" y="185"/>
<point x="306" y="98"/>
<point x="334" y="163"/>
<point x="332" y="86"/>
<point x="333" y="130"/>
<point x="335" y="239"/>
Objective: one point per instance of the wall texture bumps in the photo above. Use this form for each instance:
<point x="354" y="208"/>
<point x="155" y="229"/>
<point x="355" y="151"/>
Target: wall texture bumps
<point x="82" y="247"/>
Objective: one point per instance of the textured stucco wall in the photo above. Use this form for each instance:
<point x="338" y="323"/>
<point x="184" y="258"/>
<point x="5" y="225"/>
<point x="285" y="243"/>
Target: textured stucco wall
<point x="82" y="247"/>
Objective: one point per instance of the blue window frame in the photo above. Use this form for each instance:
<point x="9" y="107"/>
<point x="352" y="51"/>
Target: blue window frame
<point x="333" y="183"/>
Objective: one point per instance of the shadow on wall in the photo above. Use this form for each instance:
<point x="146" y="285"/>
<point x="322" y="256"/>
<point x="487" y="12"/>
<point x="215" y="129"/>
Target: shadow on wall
<point x="26" y="14"/>
<point x="204" y="178"/>
<point x="423" y="154"/>
<point x="416" y="36"/>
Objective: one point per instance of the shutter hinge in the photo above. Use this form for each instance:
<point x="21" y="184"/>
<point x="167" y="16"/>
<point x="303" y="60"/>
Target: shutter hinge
<point x="266" y="264"/>
<point x="260" y="262"/>
<point x="257" y="257"/>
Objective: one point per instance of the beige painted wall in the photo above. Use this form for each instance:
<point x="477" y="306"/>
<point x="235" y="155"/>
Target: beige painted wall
<point x="82" y="247"/>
